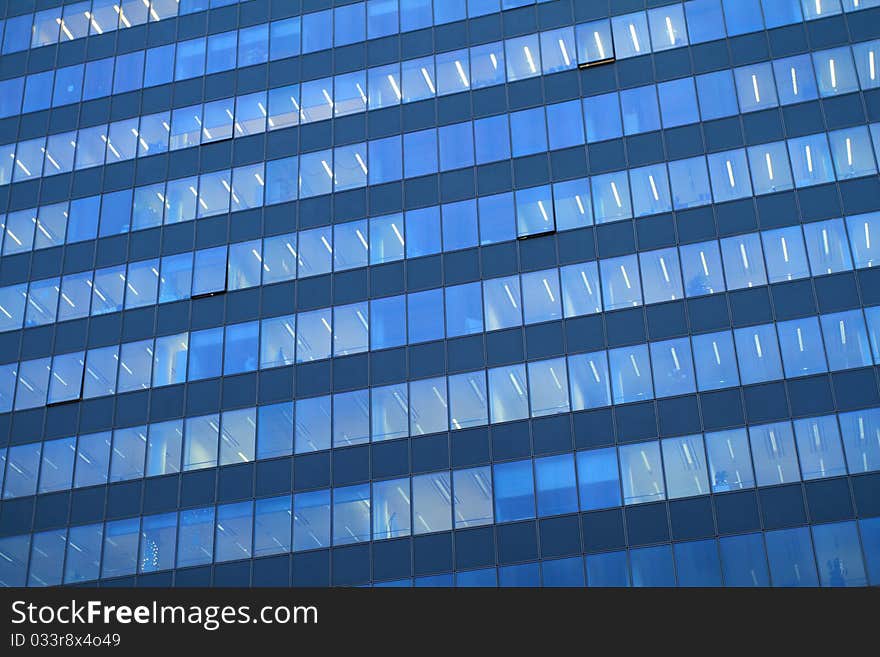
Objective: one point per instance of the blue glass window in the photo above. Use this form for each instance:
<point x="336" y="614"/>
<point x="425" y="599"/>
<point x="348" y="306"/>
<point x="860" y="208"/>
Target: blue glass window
<point x="195" y="538"/>
<point x="598" y="479"/>
<point x="602" y="116"/>
<point x="351" y="413"/>
<point x="351" y="514"/>
<point x="690" y="183"/>
<point x="818" y="441"/>
<point x="391" y="508"/>
<point x="846" y="341"/>
<point x="678" y="102"/>
<point x="555" y="483"/>
<point x="730" y="461"/>
<point x="473" y="497"/>
<point x="705" y="20"/>
<point x="673" y="367"/>
<point x="83" y="553"/>
<point x="514" y="491"/>
<point x="743" y="261"/>
<point x="456" y="146"/>
<point x="790" y="553"/>
<point x="640" y="110"/>
<point x="620" y="282"/>
<point x="459" y="225"/>
<point x="272" y="527"/>
<point x="630" y="374"/>
<point x="528" y="133"/>
<point x="311" y="520"/>
<point x="785" y="254"/>
<point x="641" y="473"/>
<point x="590" y="385"/>
<point x="774" y="454"/>
<point x="802" y="349"/>
<point x="158" y="540"/>
<point x="744" y="561"/>
<point x="827" y="246"/>
<point x="697" y="563"/>
<point x="758" y="354"/>
<point x="387" y="322"/>
<point x="607" y="568"/>
<point x="508" y="393"/>
<point x="652" y="566"/>
<point x="715" y="361"/>
<point x="685" y="465"/>
<point x="717" y="94"/>
<point x="234" y="531"/>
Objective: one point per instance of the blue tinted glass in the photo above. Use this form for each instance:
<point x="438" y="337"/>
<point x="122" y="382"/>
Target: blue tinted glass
<point x="83" y="221"/>
<point x="705" y="21"/>
<point x="459" y="225"/>
<point x="696" y="563"/>
<point x="839" y="555"/>
<point x="598" y="479"/>
<point x="801" y="344"/>
<point x="464" y="309"/>
<point x="555" y="483"/>
<point x="652" y="566"/>
<point x="758" y="354"/>
<point x="717" y="95"/>
<point x="743" y="560"/>
<point x="602" y="115"/>
<point x="525" y="574"/>
<point x="481" y="578"/>
<point x="742" y="16"/>
<point x="565" y="124"/>
<point x="422" y="232"/>
<point x="563" y="572"/>
<point x="781" y="12"/>
<point x="607" y="569"/>
<point x="456" y="146"/>
<point x="790" y="553"/>
<point x="870" y="530"/>
<point x="491" y="139"/>
<point x="425" y="317"/>
<point x="496" y="218"/>
<point x="527" y="131"/>
<point x="514" y="491"/>
<point x="640" y="110"/>
<point x="387" y="322"/>
<point x="678" y="102"/>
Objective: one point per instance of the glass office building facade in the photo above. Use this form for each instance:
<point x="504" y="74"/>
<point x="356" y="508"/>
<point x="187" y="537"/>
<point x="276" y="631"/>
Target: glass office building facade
<point x="462" y="292"/>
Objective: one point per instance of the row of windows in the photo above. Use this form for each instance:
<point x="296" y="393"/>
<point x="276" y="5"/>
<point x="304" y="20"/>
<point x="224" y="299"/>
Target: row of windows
<point x="92" y="17"/>
<point x="343" y="25"/>
<point x="318" y="519"/>
<point x="680" y="184"/>
<point x="221" y="52"/>
<point x="622" y="375"/>
<point x="711" y="267"/>
<point x="733" y="561"/>
<point x="562" y="49"/>
<point x="672" y="468"/>
<point x="641" y="109"/>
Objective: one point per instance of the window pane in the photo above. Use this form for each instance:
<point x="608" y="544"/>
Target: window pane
<point x="514" y="491"/>
<point x="730" y="461"/>
<point x="642" y="473"/>
<point x="391" y="508"/>
<point x="774" y="454"/>
<point x="555" y="484"/>
<point x="685" y="466"/>
<point x="351" y="514"/>
<point x="818" y="441"/>
<point x="311" y="520"/>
